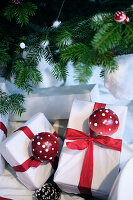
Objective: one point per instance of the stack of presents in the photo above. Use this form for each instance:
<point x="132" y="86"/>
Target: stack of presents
<point x="83" y="160"/>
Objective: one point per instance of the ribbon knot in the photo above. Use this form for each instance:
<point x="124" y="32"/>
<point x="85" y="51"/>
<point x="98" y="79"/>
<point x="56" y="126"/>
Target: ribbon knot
<point x="82" y="141"/>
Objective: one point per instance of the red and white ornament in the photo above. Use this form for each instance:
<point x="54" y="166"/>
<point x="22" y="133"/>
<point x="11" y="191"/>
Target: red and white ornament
<point x="45" y="146"/>
<point x="119" y="16"/>
<point x="104" y="121"/>
<point x="127" y="20"/>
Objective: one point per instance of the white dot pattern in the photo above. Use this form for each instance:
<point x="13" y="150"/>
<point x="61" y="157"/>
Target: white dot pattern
<point x="109" y="129"/>
<point x="110" y="117"/>
<point x="52" y="149"/>
<point x="40" y="151"/>
<point x="90" y="122"/>
<point x="94" y="115"/>
<point x="41" y="138"/>
<point x="33" y="149"/>
<point x="38" y="143"/>
<point x="45" y="156"/>
<point x="38" y="137"/>
<point x="106" y="111"/>
<point x="116" y="122"/>
<point x="95" y="124"/>
<point x="103" y="114"/>
<point x="50" y="158"/>
<point x="48" y="135"/>
<point x="46" y="150"/>
<point x="54" y="141"/>
<point x="43" y="146"/>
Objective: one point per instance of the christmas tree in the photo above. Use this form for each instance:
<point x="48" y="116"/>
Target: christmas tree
<point x="27" y="35"/>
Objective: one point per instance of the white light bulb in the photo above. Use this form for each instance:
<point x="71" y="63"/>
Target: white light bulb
<point x="56" y="24"/>
<point x="22" y="45"/>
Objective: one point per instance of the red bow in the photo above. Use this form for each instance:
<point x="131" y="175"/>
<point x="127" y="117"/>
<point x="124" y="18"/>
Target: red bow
<point x="82" y="141"/>
<point x="32" y="162"/>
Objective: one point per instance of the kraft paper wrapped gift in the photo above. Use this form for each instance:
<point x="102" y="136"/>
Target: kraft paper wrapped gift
<point x="56" y="102"/>
<point x="3" y="133"/>
<point x="15" y="150"/>
<point x="105" y="162"/>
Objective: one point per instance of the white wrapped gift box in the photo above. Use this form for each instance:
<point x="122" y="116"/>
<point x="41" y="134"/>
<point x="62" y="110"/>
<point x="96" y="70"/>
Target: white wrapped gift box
<point x="15" y="150"/>
<point x="3" y="132"/>
<point x="105" y="160"/>
<point x="58" y="99"/>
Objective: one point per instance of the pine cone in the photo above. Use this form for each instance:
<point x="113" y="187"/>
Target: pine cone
<point x="48" y="192"/>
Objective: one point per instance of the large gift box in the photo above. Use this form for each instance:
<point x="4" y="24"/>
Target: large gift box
<point x="89" y="164"/>
<point x="3" y="133"/>
<point x="16" y="151"/>
<point x="58" y="99"/>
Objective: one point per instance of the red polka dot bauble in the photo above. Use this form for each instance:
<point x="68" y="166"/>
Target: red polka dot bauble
<point x="104" y="121"/>
<point x="45" y="146"/>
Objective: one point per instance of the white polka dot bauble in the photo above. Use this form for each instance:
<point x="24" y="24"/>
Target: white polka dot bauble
<point x="45" y="146"/>
<point x="22" y="45"/>
<point x="106" y="121"/>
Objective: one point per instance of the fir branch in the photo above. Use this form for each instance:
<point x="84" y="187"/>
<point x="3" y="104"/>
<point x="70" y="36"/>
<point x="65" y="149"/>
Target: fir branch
<point x="82" y="72"/>
<point x="26" y="74"/>
<point x="129" y="32"/>
<point x="107" y="37"/>
<point x="64" y="39"/>
<point x="4" y="56"/>
<point x="21" y="12"/>
<point x="11" y="103"/>
<point x="74" y="51"/>
<point x="60" y="71"/>
<point x="99" y="19"/>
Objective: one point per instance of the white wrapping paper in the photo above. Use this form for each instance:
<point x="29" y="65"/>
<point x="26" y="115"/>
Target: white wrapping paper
<point x="56" y="102"/>
<point x="4" y="120"/>
<point x="105" y="160"/>
<point x="15" y="150"/>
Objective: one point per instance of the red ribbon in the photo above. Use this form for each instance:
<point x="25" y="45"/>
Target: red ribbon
<point x="32" y="162"/>
<point x="3" y="128"/>
<point x="83" y="141"/>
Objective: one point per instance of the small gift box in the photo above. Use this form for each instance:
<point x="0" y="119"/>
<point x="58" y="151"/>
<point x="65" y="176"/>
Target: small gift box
<point x="63" y="96"/>
<point x="17" y="151"/>
<point x="89" y="163"/>
<point x="3" y="134"/>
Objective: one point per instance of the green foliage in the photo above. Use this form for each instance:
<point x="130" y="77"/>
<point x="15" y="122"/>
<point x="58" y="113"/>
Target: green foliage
<point x="107" y="37"/>
<point x="21" y="12"/>
<point x="4" y="56"/>
<point x="74" y="51"/>
<point x="64" y="39"/>
<point x="88" y="41"/>
<point x="26" y="74"/>
<point x="11" y="103"/>
<point x="60" y="70"/>
<point x="91" y="42"/>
